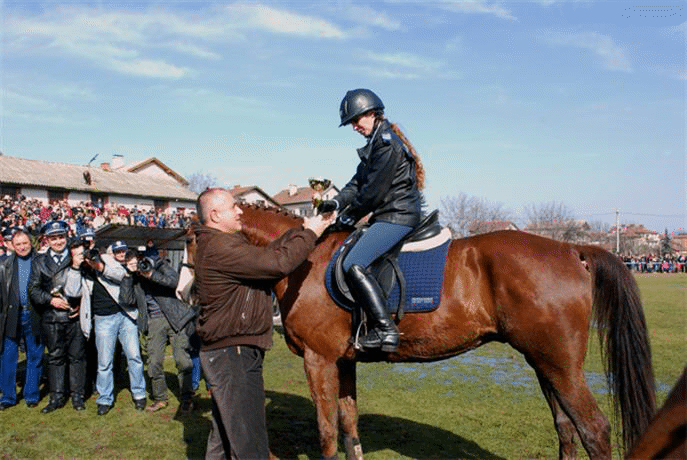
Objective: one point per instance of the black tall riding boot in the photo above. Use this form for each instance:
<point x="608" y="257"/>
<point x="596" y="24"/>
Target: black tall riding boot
<point x="368" y="294"/>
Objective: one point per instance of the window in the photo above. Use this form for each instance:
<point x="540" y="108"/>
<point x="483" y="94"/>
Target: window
<point x="99" y="196"/>
<point x="56" y="195"/>
<point x="160" y="205"/>
<point x="9" y="190"/>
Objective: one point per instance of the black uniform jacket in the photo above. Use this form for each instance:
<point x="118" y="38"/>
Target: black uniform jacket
<point x="46" y="275"/>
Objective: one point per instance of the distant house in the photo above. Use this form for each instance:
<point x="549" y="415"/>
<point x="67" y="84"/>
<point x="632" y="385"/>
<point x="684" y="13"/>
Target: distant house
<point x="299" y="199"/>
<point x="491" y="226"/>
<point x="254" y="195"/>
<point x="155" y="168"/>
<point x="154" y="186"/>
<point x="638" y="232"/>
<point x="679" y="241"/>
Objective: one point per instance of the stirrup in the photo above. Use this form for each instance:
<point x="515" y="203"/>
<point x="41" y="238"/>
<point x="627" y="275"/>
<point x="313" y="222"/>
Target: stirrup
<point x="376" y="338"/>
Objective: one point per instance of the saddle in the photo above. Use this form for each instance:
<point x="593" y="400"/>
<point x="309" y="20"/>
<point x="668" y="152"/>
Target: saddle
<point x="417" y="260"/>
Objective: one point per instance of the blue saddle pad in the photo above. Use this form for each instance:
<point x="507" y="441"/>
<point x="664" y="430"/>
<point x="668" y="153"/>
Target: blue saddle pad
<point x="424" y="275"/>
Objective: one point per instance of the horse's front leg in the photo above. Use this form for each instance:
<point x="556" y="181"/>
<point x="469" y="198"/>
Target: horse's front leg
<point x="323" y="378"/>
<point x="348" y="410"/>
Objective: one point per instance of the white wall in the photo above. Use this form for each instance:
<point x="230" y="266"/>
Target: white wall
<point x="153" y="170"/>
<point x="129" y="201"/>
<point x="254" y="196"/>
<point x="35" y="194"/>
<point x="75" y="197"/>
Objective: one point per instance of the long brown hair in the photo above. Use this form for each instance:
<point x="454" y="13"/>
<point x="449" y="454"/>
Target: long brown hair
<point x="419" y="169"/>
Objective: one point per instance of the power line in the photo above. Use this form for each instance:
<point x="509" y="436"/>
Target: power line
<point x="654" y="215"/>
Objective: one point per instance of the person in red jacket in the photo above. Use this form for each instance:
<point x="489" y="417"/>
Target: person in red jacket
<point x="233" y="279"/>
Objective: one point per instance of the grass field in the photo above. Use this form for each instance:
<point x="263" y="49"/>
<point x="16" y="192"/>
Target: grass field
<point x="484" y="404"/>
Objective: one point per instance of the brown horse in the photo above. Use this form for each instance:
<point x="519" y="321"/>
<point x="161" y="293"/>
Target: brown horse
<point x="667" y="433"/>
<point x="536" y="294"/>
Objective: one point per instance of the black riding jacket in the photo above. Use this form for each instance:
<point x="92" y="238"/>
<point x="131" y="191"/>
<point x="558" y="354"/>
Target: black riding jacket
<point x="385" y="182"/>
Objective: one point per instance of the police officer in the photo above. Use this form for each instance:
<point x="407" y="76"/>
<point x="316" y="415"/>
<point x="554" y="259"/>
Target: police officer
<point x="62" y="331"/>
<point x="386" y="185"/>
<point x="7" y="240"/>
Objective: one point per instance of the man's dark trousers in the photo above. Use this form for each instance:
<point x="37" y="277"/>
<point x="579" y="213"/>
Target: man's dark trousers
<point x="238" y="403"/>
<point x="65" y="342"/>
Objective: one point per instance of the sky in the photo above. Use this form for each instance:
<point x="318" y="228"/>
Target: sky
<point x="517" y="103"/>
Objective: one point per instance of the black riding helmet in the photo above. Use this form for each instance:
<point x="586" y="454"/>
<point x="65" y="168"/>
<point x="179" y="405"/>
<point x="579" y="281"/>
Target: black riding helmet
<point x="357" y="102"/>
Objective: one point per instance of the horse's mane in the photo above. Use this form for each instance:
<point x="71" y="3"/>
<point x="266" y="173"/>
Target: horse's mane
<point x="278" y="218"/>
<point x="272" y="210"/>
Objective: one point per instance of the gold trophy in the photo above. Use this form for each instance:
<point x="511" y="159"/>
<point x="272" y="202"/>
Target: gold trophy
<point x="319" y="185"/>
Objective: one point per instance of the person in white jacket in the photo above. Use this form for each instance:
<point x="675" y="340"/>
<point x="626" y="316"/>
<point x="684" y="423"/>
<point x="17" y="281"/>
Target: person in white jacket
<point x="96" y="279"/>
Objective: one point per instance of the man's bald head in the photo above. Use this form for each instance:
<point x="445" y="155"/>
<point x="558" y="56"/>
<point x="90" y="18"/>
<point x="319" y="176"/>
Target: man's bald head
<point x="217" y="209"/>
<point x="206" y="201"/>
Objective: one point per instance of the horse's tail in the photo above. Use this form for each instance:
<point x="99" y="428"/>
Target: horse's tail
<point x="624" y="340"/>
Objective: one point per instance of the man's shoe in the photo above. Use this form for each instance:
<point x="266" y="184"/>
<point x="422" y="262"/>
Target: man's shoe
<point x="186" y="407"/>
<point x="156" y="406"/>
<point x="140" y="404"/>
<point x="31" y="405"/>
<point x="78" y="403"/>
<point x="103" y="409"/>
<point x="4" y="405"/>
<point x="54" y="404"/>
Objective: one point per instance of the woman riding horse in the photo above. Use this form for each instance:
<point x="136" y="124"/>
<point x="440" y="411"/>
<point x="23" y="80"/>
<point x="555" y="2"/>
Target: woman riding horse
<point x="387" y="184"/>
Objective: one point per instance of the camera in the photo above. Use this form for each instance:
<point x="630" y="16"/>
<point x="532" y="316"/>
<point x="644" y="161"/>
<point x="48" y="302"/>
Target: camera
<point x="93" y="256"/>
<point x="145" y="264"/>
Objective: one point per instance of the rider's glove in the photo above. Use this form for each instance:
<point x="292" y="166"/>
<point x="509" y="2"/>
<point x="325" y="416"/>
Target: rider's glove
<point x="328" y="206"/>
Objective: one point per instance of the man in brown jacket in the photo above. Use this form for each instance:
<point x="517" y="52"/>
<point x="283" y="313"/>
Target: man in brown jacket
<point x="233" y="278"/>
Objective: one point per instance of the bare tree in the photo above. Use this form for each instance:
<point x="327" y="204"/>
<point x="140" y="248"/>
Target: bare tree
<point x="597" y="226"/>
<point x="199" y="181"/>
<point x="468" y="215"/>
<point x="553" y="220"/>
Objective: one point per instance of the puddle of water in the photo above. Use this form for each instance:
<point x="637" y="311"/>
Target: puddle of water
<point x="474" y="368"/>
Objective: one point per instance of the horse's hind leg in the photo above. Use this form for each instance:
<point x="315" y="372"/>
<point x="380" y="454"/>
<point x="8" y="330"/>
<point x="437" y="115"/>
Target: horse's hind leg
<point x="569" y="386"/>
<point x="567" y="434"/>
<point x="323" y="377"/>
<point x="348" y="410"/>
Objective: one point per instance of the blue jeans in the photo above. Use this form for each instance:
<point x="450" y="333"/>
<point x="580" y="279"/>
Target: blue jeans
<point x="376" y="240"/>
<point x="34" y="364"/>
<point x="107" y="330"/>
<point x="197" y="371"/>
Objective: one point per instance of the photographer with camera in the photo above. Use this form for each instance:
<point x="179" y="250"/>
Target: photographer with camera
<point x="164" y="319"/>
<point x="63" y="329"/>
<point x="97" y="280"/>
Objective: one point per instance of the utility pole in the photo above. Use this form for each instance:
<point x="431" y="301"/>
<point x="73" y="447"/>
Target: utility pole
<point x="617" y="232"/>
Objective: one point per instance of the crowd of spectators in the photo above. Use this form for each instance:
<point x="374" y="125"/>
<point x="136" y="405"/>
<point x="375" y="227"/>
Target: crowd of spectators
<point x="68" y="303"/>
<point x="656" y="264"/>
<point x="32" y="214"/>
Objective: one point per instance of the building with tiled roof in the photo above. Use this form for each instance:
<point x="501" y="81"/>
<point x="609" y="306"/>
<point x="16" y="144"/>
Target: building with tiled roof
<point x="299" y="199"/>
<point x="254" y="195"/>
<point x="111" y="183"/>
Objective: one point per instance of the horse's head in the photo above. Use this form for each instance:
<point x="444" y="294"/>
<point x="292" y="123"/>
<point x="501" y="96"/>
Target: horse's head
<point x="264" y="224"/>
